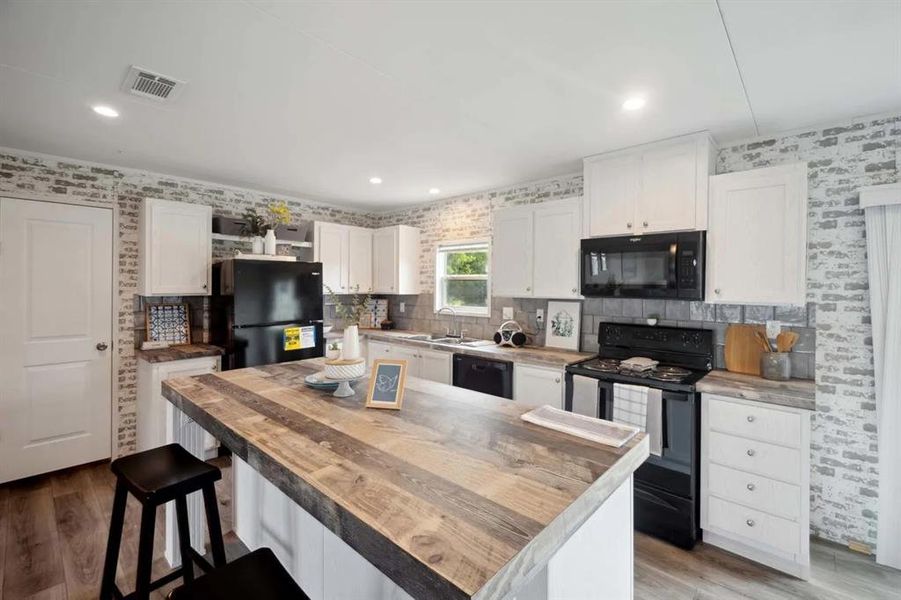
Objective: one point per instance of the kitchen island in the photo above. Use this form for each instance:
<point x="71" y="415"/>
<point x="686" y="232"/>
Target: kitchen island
<point x="454" y="496"/>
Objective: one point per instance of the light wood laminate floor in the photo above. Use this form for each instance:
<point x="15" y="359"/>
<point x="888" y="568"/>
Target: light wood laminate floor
<point x="53" y="531"/>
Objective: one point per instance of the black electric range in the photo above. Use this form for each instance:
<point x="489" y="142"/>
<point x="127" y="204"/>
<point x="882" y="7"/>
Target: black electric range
<point x="667" y="487"/>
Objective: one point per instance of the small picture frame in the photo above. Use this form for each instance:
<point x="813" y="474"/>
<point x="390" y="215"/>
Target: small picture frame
<point x="564" y="325"/>
<point x="386" y="385"/>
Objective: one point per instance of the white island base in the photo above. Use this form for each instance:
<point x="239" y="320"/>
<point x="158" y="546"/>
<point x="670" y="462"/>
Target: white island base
<point x="595" y="563"/>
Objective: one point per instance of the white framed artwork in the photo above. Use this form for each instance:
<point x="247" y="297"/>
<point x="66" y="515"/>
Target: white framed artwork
<point x="564" y="325"/>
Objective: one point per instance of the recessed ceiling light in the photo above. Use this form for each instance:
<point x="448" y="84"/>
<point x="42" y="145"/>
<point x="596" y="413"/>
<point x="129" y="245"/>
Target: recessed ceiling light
<point x="434" y="191"/>
<point x="106" y="111"/>
<point x="375" y="180"/>
<point x="634" y="103"/>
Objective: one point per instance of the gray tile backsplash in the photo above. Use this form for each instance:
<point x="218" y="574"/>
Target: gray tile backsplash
<point x="420" y="315"/>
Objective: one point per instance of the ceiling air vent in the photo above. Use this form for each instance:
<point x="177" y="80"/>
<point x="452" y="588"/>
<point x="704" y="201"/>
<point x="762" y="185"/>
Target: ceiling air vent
<point x="148" y="84"/>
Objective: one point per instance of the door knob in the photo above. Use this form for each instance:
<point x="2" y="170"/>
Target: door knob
<point x="102" y="346"/>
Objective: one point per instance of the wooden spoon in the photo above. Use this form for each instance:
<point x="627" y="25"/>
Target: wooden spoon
<point x="764" y="342"/>
<point x="786" y="340"/>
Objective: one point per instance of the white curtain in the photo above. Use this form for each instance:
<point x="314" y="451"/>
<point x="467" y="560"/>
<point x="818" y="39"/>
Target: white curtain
<point x="883" y="222"/>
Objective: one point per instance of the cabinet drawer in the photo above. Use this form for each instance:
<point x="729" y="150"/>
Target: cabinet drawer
<point x="781" y="534"/>
<point x="755" y="422"/>
<point x="756" y="457"/>
<point x="770" y="496"/>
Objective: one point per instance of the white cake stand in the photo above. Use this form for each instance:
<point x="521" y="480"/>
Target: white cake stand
<point x="344" y="389"/>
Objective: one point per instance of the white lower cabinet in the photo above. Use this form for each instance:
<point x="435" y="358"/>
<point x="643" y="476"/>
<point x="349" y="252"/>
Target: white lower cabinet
<point x="154" y="412"/>
<point x="755" y="481"/>
<point x="433" y="365"/>
<point x="537" y="386"/>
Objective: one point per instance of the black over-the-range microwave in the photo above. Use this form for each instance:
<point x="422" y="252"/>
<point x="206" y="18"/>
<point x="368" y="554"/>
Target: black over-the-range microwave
<point x="662" y="265"/>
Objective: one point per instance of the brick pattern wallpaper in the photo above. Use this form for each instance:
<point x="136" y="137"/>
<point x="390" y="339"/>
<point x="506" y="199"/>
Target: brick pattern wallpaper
<point x="26" y="175"/>
<point x="836" y="340"/>
<point x="840" y="160"/>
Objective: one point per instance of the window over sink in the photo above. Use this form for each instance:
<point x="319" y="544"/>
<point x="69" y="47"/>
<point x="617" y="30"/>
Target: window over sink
<point x="462" y="277"/>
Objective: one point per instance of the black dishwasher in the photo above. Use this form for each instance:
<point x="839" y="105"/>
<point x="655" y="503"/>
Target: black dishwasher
<point x="493" y="377"/>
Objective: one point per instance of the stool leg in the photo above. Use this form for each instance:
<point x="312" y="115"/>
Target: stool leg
<point x="213" y="524"/>
<point x="117" y="520"/>
<point x="145" y="552"/>
<point x="184" y="539"/>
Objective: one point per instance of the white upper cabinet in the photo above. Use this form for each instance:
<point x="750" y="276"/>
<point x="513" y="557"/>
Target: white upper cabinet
<point x="757" y="240"/>
<point x="395" y="260"/>
<point x="535" y="250"/>
<point x="175" y="247"/>
<point x="555" y="264"/>
<point x="382" y="261"/>
<point x="649" y="189"/>
<point x="331" y="249"/>
<point x="511" y="252"/>
<point x="359" y="259"/>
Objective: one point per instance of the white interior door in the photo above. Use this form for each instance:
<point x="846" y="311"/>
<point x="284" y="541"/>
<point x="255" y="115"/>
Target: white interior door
<point x="55" y="336"/>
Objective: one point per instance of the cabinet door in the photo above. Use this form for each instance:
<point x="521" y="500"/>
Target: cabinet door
<point x="511" y="252"/>
<point x="757" y="241"/>
<point x="534" y="386"/>
<point x="556" y="249"/>
<point x="384" y="261"/>
<point x="359" y="253"/>
<point x="611" y="191"/>
<point x="178" y="248"/>
<point x="333" y="254"/>
<point x="669" y="189"/>
<point x="376" y="350"/>
<point x="409" y="354"/>
<point x="435" y="365"/>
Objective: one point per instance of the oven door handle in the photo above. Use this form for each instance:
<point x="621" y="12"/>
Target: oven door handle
<point x="640" y="493"/>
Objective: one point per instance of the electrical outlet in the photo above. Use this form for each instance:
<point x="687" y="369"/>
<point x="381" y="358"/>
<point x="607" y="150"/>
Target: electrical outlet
<point x="403" y="307"/>
<point x="508" y="313"/>
<point x="539" y="315"/>
<point x="773" y="328"/>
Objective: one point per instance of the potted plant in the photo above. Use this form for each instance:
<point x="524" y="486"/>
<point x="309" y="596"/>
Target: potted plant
<point x="261" y="228"/>
<point x="350" y="313"/>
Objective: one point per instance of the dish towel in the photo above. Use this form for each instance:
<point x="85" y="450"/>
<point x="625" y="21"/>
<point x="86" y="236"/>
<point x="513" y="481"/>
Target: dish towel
<point x="640" y="407"/>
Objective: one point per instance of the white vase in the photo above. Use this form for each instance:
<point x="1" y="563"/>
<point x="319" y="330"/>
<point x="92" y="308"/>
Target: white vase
<point x="257" y="244"/>
<point x="270" y="242"/>
<point x="350" y="349"/>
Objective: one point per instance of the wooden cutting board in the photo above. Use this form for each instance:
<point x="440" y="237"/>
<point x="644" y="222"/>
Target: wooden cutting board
<point x="742" y="349"/>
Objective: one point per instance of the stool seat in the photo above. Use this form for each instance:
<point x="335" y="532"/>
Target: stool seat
<point x="257" y="575"/>
<point x="164" y="472"/>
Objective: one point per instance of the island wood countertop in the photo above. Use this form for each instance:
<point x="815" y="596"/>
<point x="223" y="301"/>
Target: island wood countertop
<point x="795" y="393"/>
<point x="454" y="496"/>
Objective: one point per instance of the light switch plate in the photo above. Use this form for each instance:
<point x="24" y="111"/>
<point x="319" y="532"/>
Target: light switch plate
<point x="508" y="313"/>
<point x="403" y="307"/>
<point x="773" y="328"/>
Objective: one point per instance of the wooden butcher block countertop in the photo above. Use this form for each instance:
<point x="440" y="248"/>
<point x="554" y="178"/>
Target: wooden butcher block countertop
<point x="454" y="496"/>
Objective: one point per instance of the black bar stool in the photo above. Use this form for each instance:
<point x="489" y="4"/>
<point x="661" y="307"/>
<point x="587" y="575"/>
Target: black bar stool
<point x="257" y="575"/>
<point x="155" y="477"/>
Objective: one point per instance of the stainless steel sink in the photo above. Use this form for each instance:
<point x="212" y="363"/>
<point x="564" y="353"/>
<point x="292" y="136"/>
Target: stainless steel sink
<point x="441" y="339"/>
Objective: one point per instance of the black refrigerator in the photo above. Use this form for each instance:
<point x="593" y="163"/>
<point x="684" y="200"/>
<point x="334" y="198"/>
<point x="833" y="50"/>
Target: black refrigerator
<point x="264" y="312"/>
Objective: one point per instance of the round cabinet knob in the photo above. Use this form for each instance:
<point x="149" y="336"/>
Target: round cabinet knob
<point x="204" y="286"/>
<point x="644" y="224"/>
<point x="574" y="290"/>
<point x="750" y="522"/>
<point x="750" y="418"/>
<point x="557" y="380"/>
<point x="102" y="346"/>
<point x="528" y="289"/>
<point x="629" y="225"/>
<point x="716" y="291"/>
<point x="751" y="452"/>
<point x="751" y="487"/>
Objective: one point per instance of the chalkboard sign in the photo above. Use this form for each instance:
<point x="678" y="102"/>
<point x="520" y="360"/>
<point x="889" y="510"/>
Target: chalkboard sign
<point x="386" y="385"/>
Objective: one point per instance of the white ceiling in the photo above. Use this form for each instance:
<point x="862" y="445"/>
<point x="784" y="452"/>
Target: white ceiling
<point x="313" y="98"/>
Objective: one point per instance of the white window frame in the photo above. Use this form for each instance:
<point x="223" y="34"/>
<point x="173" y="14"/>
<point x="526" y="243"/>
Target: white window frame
<point x="440" y="252"/>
